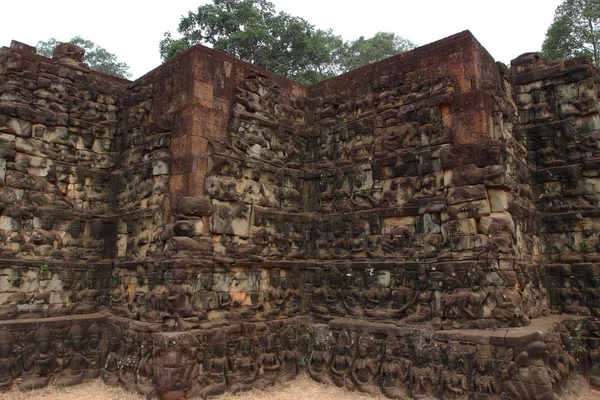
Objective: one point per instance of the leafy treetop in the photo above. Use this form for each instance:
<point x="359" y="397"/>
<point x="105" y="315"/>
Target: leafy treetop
<point x="253" y="31"/>
<point x="575" y="31"/>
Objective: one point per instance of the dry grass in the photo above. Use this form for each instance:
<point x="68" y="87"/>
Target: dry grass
<point x="303" y="388"/>
<point x="93" y="390"/>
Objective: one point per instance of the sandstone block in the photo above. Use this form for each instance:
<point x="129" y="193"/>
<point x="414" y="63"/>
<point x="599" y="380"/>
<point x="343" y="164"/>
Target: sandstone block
<point x="499" y="199"/>
<point x="496" y="223"/>
<point x="195" y="206"/>
<point x="464" y="194"/>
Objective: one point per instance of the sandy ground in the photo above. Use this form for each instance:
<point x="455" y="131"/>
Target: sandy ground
<point x="303" y="388"/>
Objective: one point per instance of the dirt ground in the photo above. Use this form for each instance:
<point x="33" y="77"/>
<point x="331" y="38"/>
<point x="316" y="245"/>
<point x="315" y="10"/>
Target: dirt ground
<point x="303" y="388"/>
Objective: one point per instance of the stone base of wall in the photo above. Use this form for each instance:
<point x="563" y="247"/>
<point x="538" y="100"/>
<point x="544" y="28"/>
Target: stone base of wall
<point x="418" y="362"/>
<point x="539" y="361"/>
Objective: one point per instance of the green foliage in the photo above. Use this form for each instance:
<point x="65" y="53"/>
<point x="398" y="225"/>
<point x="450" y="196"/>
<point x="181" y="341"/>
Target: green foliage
<point x="253" y="31"/>
<point x="366" y="51"/>
<point x="44" y="267"/>
<point x="575" y="31"/>
<point x="302" y="362"/>
<point x="97" y="57"/>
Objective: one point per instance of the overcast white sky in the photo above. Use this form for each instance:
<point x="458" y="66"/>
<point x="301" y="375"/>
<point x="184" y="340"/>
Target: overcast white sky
<point x="132" y="29"/>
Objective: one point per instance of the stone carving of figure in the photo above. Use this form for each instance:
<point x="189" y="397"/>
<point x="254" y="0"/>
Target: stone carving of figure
<point x="75" y="361"/>
<point x="511" y="382"/>
<point x="318" y="299"/>
<point x="424" y="381"/>
<point x="318" y="362"/>
<point x="121" y="302"/>
<point x="93" y="352"/>
<point x="268" y="364"/>
<point x="129" y="364"/>
<point x="533" y="371"/>
<point x="288" y="357"/>
<point x="454" y="386"/>
<point x="41" y="363"/>
<point x="292" y="296"/>
<point x="244" y="370"/>
<point x="156" y="304"/>
<point x="508" y="305"/>
<point x="113" y="359"/>
<point x="462" y="305"/>
<point x="215" y="368"/>
<point x="485" y="382"/>
<point x="594" y="362"/>
<point x="352" y="295"/>
<point x="145" y="370"/>
<point x="422" y="309"/>
<point x="341" y="363"/>
<point x="365" y="367"/>
<point x="179" y="305"/>
<point x="8" y="366"/>
<point x="172" y="371"/>
<point x="274" y="295"/>
<point x="394" y="371"/>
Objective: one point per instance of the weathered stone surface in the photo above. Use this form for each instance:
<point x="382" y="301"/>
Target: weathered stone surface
<point x="195" y="206"/>
<point x="231" y="223"/>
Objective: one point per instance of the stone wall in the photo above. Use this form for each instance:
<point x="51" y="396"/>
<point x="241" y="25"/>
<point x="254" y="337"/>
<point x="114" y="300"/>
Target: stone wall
<point x="558" y="112"/>
<point x="58" y="126"/>
<point x="231" y="226"/>
<point x="411" y="170"/>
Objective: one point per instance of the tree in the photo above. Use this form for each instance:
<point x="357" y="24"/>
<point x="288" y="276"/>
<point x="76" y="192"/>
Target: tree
<point x="366" y="51"/>
<point x="97" y="57"/>
<point x="575" y="31"/>
<point x="253" y="31"/>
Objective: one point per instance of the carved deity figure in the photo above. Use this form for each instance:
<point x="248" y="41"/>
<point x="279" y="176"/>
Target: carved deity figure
<point x="122" y="301"/>
<point x="508" y="305"/>
<point x="365" y="367"/>
<point x="8" y="366"/>
<point x="292" y="296"/>
<point x="341" y="363"/>
<point x="594" y="357"/>
<point x="353" y="296"/>
<point x="145" y="370"/>
<point x="425" y="381"/>
<point x="215" y="368"/>
<point x="288" y="357"/>
<point x="454" y="386"/>
<point x="318" y="363"/>
<point x="129" y="363"/>
<point x="172" y="369"/>
<point x="422" y="310"/>
<point x="269" y="365"/>
<point x="42" y="363"/>
<point x="533" y="371"/>
<point x="319" y="295"/>
<point x="75" y="361"/>
<point x="113" y="359"/>
<point x="179" y="305"/>
<point x="93" y="352"/>
<point x="462" y="305"/>
<point x="274" y="296"/>
<point x="394" y="370"/>
<point x="243" y="370"/>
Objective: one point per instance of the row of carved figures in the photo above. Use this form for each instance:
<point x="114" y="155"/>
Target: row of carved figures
<point x="258" y="356"/>
<point x="214" y="365"/>
<point x="398" y="373"/>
